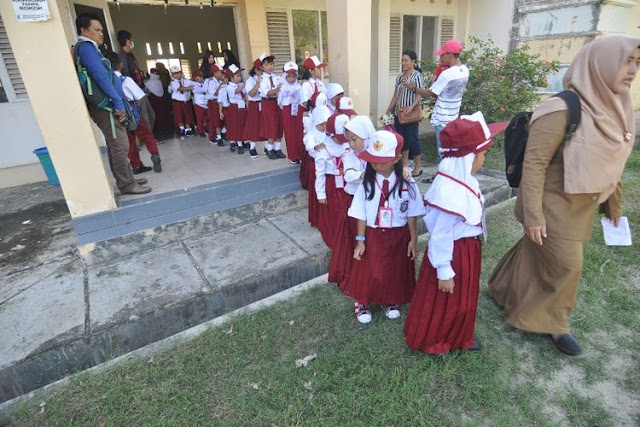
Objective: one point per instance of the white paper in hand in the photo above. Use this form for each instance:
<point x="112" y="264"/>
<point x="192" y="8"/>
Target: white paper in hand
<point x="616" y="236"/>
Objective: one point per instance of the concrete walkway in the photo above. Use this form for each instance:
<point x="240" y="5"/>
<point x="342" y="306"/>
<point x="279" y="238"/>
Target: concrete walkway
<point x="60" y="313"/>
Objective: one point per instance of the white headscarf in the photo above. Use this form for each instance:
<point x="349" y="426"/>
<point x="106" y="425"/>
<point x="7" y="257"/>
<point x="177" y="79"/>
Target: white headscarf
<point x="154" y="85"/>
<point x="456" y="191"/>
<point x="363" y="127"/>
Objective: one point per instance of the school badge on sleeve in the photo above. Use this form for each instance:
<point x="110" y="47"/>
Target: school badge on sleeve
<point x="404" y="206"/>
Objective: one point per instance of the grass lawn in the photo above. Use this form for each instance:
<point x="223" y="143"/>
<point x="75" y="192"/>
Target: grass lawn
<point x="244" y="373"/>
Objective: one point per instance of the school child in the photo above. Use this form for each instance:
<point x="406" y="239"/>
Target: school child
<point x="345" y="106"/>
<point x="237" y="112"/>
<point x="159" y="103"/>
<point x="334" y="93"/>
<point x="134" y="96"/>
<point x="289" y="103"/>
<point x="214" y="116"/>
<point x="200" y="101"/>
<point x="312" y="84"/>
<point x="180" y="90"/>
<point x="387" y="208"/>
<point x="329" y="183"/>
<point x="223" y="103"/>
<point x="314" y="141"/>
<point x="358" y="131"/>
<point x="271" y="118"/>
<point x="252" y="125"/>
<point x="442" y="314"/>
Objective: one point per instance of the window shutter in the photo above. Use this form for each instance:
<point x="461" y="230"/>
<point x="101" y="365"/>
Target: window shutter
<point x="446" y="29"/>
<point x="279" y="40"/>
<point x="395" y="43"/>
<point x="6" y="56"/>
<point x="186" y="68"/>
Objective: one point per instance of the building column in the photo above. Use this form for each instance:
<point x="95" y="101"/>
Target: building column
<point x="349" y="29"/>
<point x="59" y="108"/>
<point x="251" y="30"/>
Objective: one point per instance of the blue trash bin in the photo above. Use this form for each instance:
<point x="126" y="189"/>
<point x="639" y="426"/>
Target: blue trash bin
<point x="47" y="165"/>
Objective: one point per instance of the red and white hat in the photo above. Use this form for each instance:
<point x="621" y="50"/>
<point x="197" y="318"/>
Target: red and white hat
<point x="233" y="69"/>
<point x="175" y="69"/>
<point x="264" y="55"/>
<point x="468" y="134"/>
<point x="333" y="90"/>
<point x="335" y="126"/>
<point x="214" y="68"/>
<point x="197" y="73"/>
<point x="346" y="106"/>
<point x="313" y="62"/>
<point x="385" y="147"/>
<point x="450" y="46"/>
<point x="290" y="67"/>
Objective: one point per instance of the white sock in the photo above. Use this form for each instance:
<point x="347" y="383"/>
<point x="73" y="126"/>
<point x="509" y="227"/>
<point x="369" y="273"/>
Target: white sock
<point x="181" y="127"/>
<point x="278" y="145"/>
<point x="252" y="145"/>
<point x="224" y="130"/>
<point x="269" y="146"/>
<point x="218" y="137"/>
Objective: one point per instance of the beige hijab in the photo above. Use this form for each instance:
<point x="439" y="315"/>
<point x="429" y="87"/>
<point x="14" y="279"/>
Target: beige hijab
<point x="594" y="158"/>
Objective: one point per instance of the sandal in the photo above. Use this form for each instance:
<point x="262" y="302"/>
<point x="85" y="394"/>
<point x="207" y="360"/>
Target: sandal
<point x="415" y="175"/>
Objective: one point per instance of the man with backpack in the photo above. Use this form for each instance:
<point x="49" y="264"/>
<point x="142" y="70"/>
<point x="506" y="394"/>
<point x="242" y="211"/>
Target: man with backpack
<point x="109" y="113"/>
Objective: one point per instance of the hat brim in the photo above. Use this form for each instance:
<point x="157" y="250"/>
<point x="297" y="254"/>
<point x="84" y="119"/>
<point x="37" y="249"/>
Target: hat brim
<point x="443" y="51"/>
<point x="497" y="128"/>
<point x="368" y="157"/>
<point x="239" y="70"/>
<point x="271" y="57"/>
<point x="349" y="112"/>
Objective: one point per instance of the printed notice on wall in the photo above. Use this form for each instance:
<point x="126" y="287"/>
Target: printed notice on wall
<point x="31" y="10"/>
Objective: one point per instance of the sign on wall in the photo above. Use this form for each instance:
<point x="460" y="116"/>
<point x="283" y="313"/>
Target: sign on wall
<point x="31" y="10"/>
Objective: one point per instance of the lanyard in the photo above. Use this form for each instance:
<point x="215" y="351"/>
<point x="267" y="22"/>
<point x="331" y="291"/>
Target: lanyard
<point x="336" y="163"/>
<point x="386" y="196"/>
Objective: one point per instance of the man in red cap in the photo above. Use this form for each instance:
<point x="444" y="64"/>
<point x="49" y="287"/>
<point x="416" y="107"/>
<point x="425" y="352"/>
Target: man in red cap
<point x="449" y="87"/>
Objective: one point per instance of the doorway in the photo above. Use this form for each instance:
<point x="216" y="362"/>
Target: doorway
<point x="80" y="9"/>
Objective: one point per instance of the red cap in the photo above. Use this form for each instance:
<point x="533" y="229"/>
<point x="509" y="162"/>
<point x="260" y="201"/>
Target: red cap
<point x="214" y="68"/>
<point x="233" y="68"/>
<point x="386" y="147"/>
<point x="468" y="134"/>
<point x="197" y="73"/>
<point x="228" y="72"/>
<point x="335" y="126"/>
<point x="313" y="62"/>
<point x="450" y="46"/>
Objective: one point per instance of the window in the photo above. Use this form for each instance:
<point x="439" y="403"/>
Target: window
<point x="279" y="37"/>
<point x="199" y="47"/>
<point x="159" y="48"/>
<point x="170" y="48"/>
<point x="181" y="48"/>
<point x="12" y="87"/>
<point x="418" y="33"/>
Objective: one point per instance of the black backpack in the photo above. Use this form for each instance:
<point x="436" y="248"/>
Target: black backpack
<point x="517" y="134"/>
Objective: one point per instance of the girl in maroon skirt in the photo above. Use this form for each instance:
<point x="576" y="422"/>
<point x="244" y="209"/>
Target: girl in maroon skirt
<point x="214" y="83"/>
<point x="442" y="315"/>
<point x="237" y="111"/>
<point x="357" y="131"/>
<point x="314" y="141"/>
<point x="289" y="103"/>
<point x="252" y="126"/>
<point x="329" y="184"/>
<point x="271" y="117"/>
<point x="387" y="208"/>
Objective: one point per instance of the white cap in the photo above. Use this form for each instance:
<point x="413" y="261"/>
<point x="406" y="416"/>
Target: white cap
<point x="321" y="100"/>
<point x="175" y="69"/>
<point x="384" y="148"/>
<point x="320" y="114"/>
<point x="290" y="66"/>
<point x="334" y="89"/>
<point x="361" y="126"/>
<point x="233" y="68"/>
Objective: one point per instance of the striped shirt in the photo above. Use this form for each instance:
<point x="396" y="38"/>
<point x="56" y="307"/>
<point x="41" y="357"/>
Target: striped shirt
<point x="405" y="96"/>
<point x="449" y="87"/>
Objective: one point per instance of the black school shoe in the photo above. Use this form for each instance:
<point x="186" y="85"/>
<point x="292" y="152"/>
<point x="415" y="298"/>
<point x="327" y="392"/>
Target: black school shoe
<point x="567" y="344"/>
<point x="280" y="154"/>
<point x="141" y="169"/>
<point x="240" y="149"/>
<point x="233" y="146"/>
<point x="253" y="153"/>
<point x="272" y="155"/>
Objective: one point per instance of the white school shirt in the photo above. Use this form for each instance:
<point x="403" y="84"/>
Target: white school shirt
<point x="177" y="95"/>
<point x="235" y="98"/>
<point x="289" y="95"/>
<point x="130" y="88"/>
<point x="403" y="207"/>
<point x="444" y="230"/>
<point x="266" y="84"/>
<point x="251" y="83"/>
<point x="223" y="96"/>
<point x="200" y="94"/>
<point x="328" y="160"/>
<point x="308" y="87"/>
<point x="212" y="86"/>
<point x="311" y="139"/>
<point x="353" y="168"/>
<point x="450" y="87"/>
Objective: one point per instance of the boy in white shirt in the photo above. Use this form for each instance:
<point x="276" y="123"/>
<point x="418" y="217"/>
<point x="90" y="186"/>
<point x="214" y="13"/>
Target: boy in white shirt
<point x="200" y="101"/>
<point x="180" y="90"/>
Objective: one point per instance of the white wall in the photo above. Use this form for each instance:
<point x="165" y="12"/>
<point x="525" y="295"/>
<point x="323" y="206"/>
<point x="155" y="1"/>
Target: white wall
<point x="19" y="134"/>
<point x="492" y="18"/>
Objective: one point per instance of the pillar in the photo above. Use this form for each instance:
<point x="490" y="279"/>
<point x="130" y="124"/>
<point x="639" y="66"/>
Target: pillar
<point x="251" y="30"/>
<point x="349" y="30"/>
<point x="52" y="84"/>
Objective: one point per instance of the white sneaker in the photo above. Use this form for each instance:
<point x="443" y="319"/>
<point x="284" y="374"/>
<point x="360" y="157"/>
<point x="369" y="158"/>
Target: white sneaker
<point x="391" y="311"/>
<point x="363" y="314"/>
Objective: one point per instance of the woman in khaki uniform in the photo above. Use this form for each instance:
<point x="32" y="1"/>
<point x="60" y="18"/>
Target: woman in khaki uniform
<point x="537" y="280"/>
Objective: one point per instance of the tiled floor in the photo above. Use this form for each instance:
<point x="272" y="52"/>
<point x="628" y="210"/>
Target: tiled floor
<point x="193" y="161"/>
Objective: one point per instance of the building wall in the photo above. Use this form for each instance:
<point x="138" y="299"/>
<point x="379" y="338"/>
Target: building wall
<point x="491" y="18"/>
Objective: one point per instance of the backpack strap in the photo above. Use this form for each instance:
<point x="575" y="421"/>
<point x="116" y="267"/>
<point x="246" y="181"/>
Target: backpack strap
<point x="575" y="114"/>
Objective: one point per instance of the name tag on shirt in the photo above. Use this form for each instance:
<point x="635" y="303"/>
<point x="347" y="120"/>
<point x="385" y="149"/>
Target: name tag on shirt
<point x="339" y="180"/>
<point x="385" y="217"/>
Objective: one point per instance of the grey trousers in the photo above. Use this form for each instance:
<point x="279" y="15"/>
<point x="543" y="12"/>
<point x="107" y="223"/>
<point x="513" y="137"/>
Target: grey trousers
<point x="117" y="148"/>
<point x="147" y="113"/>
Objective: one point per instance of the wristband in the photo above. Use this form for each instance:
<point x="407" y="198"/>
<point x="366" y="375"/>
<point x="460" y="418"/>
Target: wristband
<point x="360" y="238"/>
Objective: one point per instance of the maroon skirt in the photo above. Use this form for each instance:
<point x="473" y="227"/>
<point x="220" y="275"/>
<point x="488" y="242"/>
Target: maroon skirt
<point x="252" y="125"/>
<point x="342" y="254"/>
<point x="270" y="120"/>
<point x="234" y="117"/>
<point x="161" y="108"/>
<point x="385" y="274"/>
<point x="306" y="164"/>
<point x="338" y="201"/>
<point x="311" y="187"/>
<point x="292" y="133"/>
<point x="213" y="111"/>
<point x="439" y="322"/>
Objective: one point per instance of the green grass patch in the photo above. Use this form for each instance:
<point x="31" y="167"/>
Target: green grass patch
<point x="244" y="372"/>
